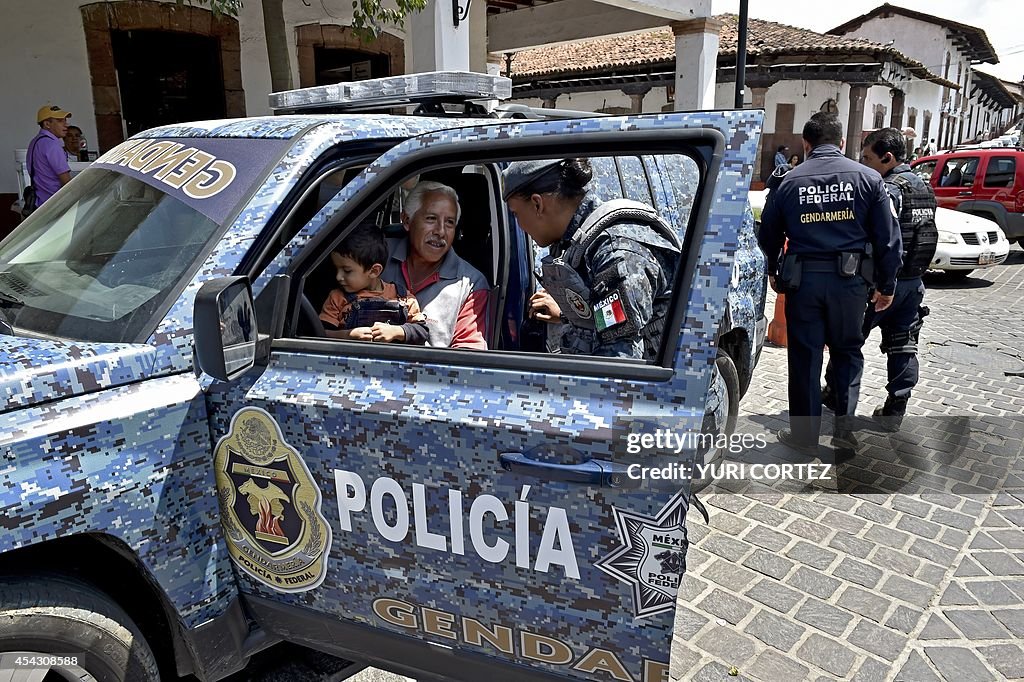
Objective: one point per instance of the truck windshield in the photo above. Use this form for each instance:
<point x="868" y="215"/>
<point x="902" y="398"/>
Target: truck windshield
<point x="98" y="260"/>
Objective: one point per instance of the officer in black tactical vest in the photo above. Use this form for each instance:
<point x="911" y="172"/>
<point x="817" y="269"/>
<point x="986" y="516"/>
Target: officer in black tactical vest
<point x="843" y="236"/>
<point x="914" y="201"/>
<point x="608" y="274"/>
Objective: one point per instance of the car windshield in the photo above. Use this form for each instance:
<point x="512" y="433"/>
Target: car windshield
<point x="97" y="261"/>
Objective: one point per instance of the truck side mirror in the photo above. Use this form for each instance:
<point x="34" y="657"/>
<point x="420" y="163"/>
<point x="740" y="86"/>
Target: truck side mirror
<point x="225" y="328"/>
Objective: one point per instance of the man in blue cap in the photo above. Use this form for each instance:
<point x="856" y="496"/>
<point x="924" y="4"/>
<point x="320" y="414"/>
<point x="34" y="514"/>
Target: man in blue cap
<point x="609" y="271"/>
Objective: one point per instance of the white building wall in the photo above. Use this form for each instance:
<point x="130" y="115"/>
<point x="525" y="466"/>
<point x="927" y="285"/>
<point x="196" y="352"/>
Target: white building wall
<point x="45" y="41"/>
<point x="53" y="70"/>
<point x="929" y="44"/>
<point x="807" y="96"/>
<point x="919" y="40"/>
<point x="923" y="96"/>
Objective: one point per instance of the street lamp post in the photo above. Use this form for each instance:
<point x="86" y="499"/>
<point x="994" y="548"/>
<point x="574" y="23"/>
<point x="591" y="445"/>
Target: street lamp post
<point x="741" y="55"/>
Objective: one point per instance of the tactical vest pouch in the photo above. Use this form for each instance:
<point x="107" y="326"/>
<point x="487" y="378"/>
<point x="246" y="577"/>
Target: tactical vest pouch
<point x="569" y="290"/>
<point x="917" y="225"/>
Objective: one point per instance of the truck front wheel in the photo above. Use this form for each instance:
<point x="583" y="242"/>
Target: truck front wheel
<point x="72" y="631"/>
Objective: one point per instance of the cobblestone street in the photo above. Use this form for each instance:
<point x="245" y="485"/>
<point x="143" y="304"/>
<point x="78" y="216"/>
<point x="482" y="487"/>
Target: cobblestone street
<point x="867" y="583"/>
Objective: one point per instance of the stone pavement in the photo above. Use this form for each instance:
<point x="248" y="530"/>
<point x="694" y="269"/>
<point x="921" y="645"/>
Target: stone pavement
<point x="913" y="568"/>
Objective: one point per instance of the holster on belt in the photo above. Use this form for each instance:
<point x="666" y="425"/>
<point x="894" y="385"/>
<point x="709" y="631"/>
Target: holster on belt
<point x="867" y="266"/>
<point x="849" y="264"/>
<point x="790" y="271"/>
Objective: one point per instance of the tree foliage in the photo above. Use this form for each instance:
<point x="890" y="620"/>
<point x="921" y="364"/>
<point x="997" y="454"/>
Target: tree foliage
<point x="369" y="17"/>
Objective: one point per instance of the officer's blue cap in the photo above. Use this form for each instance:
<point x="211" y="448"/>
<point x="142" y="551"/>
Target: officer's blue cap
<point x="520" y="174"/>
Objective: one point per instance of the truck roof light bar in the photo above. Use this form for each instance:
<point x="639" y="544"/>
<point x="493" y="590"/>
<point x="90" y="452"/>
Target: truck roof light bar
<point x="394" y="91"/>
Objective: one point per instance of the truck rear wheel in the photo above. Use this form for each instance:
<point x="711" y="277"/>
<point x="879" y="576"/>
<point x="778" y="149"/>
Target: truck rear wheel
<point x="73" y="631"/>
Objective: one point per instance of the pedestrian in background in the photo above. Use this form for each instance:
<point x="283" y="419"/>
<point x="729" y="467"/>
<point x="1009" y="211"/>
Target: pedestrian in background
<point x="780" y="156"/>
<point x="46" y="159"/>
<point x="843" y="236"/>
<point x="914" y="203"/>
<point x="73" y="143"/>
<point x="794" y="160"/>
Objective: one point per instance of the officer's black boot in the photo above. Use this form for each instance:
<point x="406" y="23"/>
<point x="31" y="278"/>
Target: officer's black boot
<point x="787" y="438"/>
<point x="828" y="397"/>
<point x="890" y="415"/>
<point x="845" y="442"/>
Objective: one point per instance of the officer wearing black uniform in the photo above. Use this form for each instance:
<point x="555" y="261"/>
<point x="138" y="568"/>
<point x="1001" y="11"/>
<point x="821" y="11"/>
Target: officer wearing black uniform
<point x="843" y="237"/>
<point x="914" y="201"/>
<point x="609" y="270"/>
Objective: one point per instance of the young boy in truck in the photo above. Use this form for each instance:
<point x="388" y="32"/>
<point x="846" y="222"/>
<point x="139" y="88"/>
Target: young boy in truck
<point x="365" y="307"/>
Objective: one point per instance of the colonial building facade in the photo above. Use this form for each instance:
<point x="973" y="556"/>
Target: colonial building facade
<point x="951" y="49"/>
<point x="791" y="72"/>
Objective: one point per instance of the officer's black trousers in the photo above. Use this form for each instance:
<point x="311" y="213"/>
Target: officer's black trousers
<point x="826" y="310"/>
<point x="896" y="321"/>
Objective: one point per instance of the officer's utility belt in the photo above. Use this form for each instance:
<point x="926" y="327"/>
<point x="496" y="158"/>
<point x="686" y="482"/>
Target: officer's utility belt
<point x="846" y="264"/>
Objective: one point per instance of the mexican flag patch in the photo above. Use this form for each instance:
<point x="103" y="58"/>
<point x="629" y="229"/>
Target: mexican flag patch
<point x="609" y="312"/>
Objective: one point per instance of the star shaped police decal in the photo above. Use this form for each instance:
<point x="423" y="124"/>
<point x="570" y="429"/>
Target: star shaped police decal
<point x="651" y="556"/>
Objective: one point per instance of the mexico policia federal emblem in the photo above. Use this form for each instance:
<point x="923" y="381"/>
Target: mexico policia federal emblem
<point x="578" y="303"/>
<point x="270" y="506"/>
<point x="651" y="556"/>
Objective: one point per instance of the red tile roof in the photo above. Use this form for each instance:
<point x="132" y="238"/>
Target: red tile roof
<point x="629" y="52"/>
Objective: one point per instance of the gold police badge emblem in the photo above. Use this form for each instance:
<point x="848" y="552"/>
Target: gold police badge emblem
<point x="270" y="505"/>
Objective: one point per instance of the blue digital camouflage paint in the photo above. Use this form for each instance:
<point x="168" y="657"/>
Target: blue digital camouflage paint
<point x="352" y="490"/>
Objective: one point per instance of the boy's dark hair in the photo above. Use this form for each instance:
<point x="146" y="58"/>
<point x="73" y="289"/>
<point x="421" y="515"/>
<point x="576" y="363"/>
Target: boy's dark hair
<point x="365" y="246"/>
<point x="782" y="148"/>
<point x="887" y="141"/>
<point x="823" y="128"/>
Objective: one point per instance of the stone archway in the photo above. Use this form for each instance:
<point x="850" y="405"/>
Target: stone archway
<point x="101" y="19"/>
<point x="308" y="37"/>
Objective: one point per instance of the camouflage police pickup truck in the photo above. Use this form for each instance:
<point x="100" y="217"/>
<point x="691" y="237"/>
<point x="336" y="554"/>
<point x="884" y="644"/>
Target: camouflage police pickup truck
<point x="190" y="474"/>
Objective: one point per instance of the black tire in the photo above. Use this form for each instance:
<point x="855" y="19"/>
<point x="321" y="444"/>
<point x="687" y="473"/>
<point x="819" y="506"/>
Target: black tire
<point x="727" y="368"/>
<point x="59" y="615"/>
<point x="957" y="275"/>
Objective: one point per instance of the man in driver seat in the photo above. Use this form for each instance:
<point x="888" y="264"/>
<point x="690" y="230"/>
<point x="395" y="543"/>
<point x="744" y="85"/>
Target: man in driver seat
<point x="365" y="307"/>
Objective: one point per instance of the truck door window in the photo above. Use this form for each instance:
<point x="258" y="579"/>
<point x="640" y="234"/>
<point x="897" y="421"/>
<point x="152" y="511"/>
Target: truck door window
<point x="959" y="172"/>
<point x="924" y="170"/>
<point x="488" y="244"/>
<point x="1000" y="171"/>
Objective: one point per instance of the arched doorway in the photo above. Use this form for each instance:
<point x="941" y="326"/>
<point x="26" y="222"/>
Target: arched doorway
<point x="333" y="54"/>
<point x="150" y="64"/>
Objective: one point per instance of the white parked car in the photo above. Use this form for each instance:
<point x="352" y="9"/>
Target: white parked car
<point x="967" y="242"/>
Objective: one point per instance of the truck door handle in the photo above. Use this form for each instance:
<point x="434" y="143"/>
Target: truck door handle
<point x="965" y="194"/>
<point x="593" y="471"/>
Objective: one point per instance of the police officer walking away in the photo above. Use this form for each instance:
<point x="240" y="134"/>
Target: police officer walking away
<point x="610" y="266"/>
<point x="914" y="200"/>
<point x="843" y="236"/>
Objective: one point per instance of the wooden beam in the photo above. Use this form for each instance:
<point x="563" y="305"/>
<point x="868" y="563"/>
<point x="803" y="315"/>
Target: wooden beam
<point x="561" y="22"/>
<point x="674" y="10"/>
